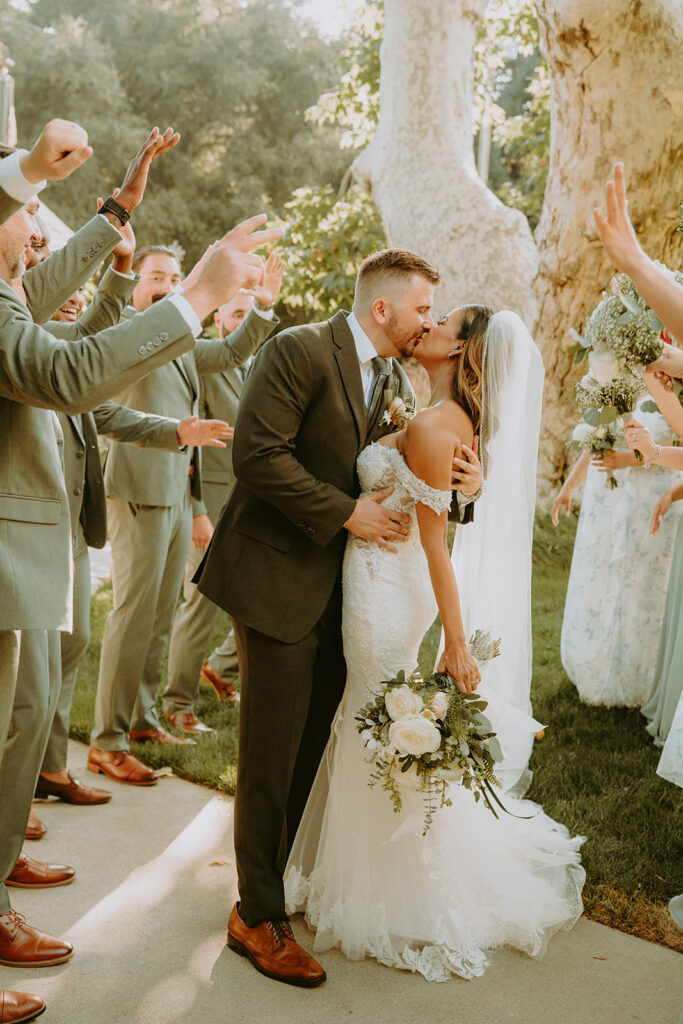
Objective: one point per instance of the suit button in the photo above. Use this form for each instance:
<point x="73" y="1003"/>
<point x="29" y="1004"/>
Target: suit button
<point x="60" y="441"/>
<point x="79" y="454"/>
<point x="157" y="342"/>
<point x="77" y="491"/>
<point x="150" y="346"/>
<point x="164" y="336"/>
<point x="142" y="350"/>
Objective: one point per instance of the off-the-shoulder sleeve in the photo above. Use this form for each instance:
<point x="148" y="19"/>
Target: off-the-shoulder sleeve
<point x="438" y="501"/>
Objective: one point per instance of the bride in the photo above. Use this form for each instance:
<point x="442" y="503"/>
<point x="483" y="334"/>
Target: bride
<point x="366" y="878"/>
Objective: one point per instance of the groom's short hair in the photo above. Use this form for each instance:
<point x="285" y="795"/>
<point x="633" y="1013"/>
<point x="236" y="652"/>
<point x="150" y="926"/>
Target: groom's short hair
<point x="391" y="265"/>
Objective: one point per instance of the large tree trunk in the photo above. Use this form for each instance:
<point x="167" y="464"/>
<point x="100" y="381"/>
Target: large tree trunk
<point x="616" y="93"/>
<point x="420" y="166"/>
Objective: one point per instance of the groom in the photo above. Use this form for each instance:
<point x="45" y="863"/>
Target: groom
<point x="314" y="398"/>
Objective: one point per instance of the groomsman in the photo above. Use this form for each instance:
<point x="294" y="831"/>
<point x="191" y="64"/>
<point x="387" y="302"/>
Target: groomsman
<point x="150" y="499"/>
<point x="195" y="619"/>
<point x="37" y="374"/>
<point x="87" y="503"/>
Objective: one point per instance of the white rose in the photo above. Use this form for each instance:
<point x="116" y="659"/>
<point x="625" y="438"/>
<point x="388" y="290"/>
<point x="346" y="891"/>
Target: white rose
<point x="604" y="367"/>
<point x="581" y="432"/>
<point x="397" y="408"/>
<point x="439" y="704"/>
<point x="601" y="433"/>
<point x="402" y="701"/>
<point x="414" y="735"/>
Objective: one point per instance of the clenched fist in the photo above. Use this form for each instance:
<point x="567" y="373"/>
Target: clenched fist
<point x="60" y="149"/>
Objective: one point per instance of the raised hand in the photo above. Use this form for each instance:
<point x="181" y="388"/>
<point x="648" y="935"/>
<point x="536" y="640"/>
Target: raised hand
<point x="370" y="521"/>
<point x="671" y="363"/>
<point x="62" y="146"/>
<point x="133" y="188"/>
<point x="246" y="238"/>
<point x="616" y="231"/>
<point x="203" y="433"/>
<point x="467" y="473"/>
<point x="124" y="250"/>
<point x="266" y="293"/>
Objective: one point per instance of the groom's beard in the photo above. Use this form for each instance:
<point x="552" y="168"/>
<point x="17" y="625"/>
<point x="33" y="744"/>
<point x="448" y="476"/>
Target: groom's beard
<point x="402" y="340"/>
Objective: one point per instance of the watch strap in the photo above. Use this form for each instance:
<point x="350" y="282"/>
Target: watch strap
<point x="111" y="206"/>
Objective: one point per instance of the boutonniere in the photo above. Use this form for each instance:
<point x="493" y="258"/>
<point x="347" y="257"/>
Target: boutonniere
<point x="398" y="414"/>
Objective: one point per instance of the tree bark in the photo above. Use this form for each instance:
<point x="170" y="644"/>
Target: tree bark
<point x="420" y="165"/>
<point x="616" y="93"/>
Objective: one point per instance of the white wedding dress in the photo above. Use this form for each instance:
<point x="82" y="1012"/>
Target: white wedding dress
<point x="366" y="878"/>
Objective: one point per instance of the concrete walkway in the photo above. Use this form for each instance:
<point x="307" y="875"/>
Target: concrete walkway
<point x="148" y="911"/>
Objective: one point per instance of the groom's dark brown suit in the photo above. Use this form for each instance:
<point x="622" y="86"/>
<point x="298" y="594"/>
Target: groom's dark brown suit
<point x="274" y="564"/>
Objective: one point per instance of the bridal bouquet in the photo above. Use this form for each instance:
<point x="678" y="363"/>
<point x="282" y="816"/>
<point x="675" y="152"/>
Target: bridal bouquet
<point x="427" y="734"/>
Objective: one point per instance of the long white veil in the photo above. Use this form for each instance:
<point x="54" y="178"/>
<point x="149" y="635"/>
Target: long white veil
<point x="492" y="555"/>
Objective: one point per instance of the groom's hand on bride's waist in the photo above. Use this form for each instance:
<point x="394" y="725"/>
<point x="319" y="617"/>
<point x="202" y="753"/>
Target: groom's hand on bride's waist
<point x="371" y="521"/>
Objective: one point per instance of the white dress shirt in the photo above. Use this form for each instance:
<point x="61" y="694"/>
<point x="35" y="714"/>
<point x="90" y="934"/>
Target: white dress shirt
<point x="366" y="353"/>
<point x="13" y="181"/>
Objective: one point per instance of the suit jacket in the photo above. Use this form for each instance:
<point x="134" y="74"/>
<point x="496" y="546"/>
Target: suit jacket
<point x="219" y="397"/>
<point x="82" y="466"/>
<point x="160" y="478"/>
<point x="277" y="550"/>
<point x="39" y="373"/>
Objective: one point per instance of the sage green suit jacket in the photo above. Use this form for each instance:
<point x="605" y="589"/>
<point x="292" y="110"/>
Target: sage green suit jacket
<point x="39" y="373"/>
<point x="149" y="477"/>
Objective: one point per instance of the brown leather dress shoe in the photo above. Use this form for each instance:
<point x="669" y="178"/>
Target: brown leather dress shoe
<point x="158" y="736"/>
<point x="36" y="874"/>
<point x="223" y="690"/>
<point x="24" y="946"/>
<point x="185" y="721"/>
<point x="121" y="766"/>
<point x="35" y="828"/>
<point x="72" y="792"/>
<point x="19" y="1007"/>
<point x="274" y="951"/>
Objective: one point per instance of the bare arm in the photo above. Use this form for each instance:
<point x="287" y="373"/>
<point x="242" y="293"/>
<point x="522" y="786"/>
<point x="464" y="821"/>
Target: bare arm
<point x="667" y="402"/>
<point x="639" y="437"/>
<point x="660" y="292"/>
<point x="564" y="495"/>
<point x="429" y="452"/>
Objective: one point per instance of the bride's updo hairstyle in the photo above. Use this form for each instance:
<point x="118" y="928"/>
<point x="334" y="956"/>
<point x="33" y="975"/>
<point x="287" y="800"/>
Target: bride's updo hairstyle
<point x="466" y="383"/>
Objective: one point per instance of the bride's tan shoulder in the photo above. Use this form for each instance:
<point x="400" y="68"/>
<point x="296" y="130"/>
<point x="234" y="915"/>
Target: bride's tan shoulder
<point x="446" y="418"/>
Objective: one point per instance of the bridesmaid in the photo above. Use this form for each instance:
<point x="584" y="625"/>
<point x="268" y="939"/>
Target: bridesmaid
<point x="617" y="585"/>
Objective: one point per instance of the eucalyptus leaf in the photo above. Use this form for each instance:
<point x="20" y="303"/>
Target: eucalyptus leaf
<point x="630" y="304"/>
<point x="649" y="406"/>
<point x="592" y="416"/>
<point x="608" y="414"/>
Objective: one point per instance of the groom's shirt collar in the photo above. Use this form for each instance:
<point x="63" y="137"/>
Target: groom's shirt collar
<point x="366" y="352"/>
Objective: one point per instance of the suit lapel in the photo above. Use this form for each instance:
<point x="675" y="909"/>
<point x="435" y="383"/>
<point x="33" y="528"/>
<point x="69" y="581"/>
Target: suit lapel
<point x="234" y="381"/>
<point x="349" y="370"/>
<point x="376" y="401"/>
<point x="188" y="372"/>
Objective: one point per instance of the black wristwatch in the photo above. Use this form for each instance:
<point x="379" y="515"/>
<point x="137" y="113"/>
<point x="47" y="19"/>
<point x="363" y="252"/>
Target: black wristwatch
<point x="111" y="206"/>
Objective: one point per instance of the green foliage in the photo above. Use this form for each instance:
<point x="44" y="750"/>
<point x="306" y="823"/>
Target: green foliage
<point x="235" y="79"/>
<point x="525" y="145"/>
<point x="327" y="240"/>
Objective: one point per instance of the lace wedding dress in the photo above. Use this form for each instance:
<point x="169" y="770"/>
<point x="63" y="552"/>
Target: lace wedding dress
<point x="366" y="878"/>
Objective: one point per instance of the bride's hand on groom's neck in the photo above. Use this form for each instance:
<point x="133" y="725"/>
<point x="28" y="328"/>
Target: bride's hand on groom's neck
<point x="371" y="521"/>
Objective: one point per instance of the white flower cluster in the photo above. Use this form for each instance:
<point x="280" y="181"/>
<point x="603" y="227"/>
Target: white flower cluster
<point x="621" y="391"/>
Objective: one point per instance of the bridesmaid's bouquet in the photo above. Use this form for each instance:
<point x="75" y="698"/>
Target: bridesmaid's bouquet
<point x="597" y="439"/>
<point x="426" y="734"/>
<point x="622" y="333"/>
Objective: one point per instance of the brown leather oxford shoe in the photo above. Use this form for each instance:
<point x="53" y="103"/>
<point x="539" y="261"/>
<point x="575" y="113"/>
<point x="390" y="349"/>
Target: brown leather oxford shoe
<point x="36" y="874"/>
<point x="185" y="721"/>
<point x="223" y="690"/>
<point x="121" y="766"/>
<point x="274" y="951"/>
<point x="35" y="828"/>
<point x="19" y="1007"/>
<point x="158" y="736"/>
<point x="72" y="792"/>
<point x="24" y="946"/>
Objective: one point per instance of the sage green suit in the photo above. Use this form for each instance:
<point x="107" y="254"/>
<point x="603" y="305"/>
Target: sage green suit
<point x="149" y="511"/>
<point x="39" y="373"/>
<point x="194" y="621"/>
<point x="85" y="491"/>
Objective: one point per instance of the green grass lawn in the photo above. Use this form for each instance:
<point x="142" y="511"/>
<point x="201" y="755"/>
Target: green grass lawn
<point x="594" y="771"/>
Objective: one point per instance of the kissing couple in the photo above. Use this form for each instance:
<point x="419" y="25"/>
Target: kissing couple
<point x="331" y="557"/>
